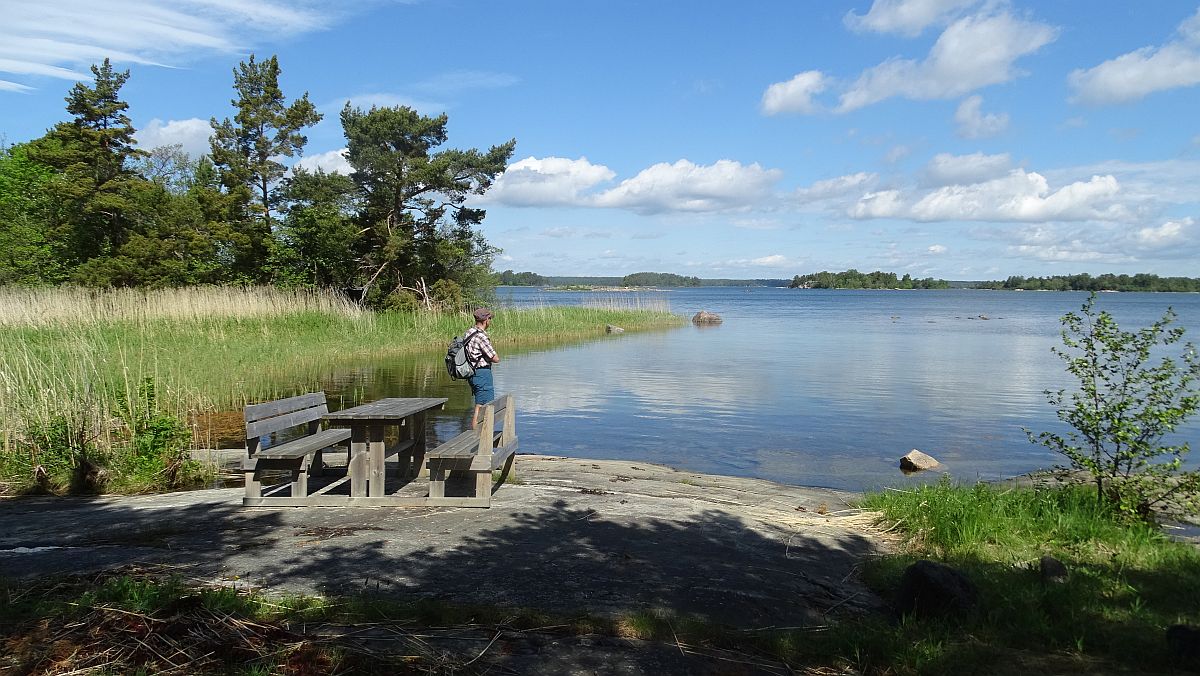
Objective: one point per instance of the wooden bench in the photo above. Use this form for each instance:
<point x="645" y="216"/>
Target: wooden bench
<point x="476" y="452"/>
<point x="297" y="455"/>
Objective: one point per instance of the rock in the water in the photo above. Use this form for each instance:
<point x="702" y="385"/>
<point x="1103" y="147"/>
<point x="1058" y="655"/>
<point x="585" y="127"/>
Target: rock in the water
<point x="930" y="589"/>
<point x="706" y="317"/>
<point x="609" y="328"/>
<point x="916" y="461"/>
<point x="1184" y="641"/>
<point x="1052" y="569"/>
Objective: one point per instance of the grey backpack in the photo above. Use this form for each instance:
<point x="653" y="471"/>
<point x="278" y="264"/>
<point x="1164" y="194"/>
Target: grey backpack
<point x="457" y="364"/>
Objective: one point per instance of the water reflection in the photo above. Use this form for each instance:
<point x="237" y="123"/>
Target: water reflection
<point x="804" y="387"/>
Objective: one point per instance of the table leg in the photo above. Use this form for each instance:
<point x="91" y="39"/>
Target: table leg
<point x="420" y="470"/>
<point x="356" y="467"/>
<point x="404" y="459"/>
<point x="378" y="476"/>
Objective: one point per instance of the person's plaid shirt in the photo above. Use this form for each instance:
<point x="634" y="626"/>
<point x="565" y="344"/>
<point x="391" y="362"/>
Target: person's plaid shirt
<point x="479" y="348"/>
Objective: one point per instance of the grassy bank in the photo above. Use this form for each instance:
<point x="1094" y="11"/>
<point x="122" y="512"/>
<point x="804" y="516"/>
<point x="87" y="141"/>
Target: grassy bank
<point x="87" y="378"/>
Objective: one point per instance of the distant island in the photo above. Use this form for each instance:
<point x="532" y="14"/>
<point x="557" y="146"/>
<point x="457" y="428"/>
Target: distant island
<point x="1086" y="282"/>
<point x="637" y="279"/>
<point x="853" y="279"/>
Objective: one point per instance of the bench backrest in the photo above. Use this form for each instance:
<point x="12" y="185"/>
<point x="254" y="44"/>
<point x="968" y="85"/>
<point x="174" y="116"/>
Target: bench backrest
<point x="274" y="416"/>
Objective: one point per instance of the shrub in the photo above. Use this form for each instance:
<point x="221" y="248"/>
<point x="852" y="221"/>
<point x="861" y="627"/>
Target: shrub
<point x="1124" y="407"/>
<point x="447" y="294"/>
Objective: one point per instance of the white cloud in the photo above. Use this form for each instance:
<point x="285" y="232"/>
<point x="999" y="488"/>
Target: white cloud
<point x="897" y="153"/>
<point x="973" y="123"/>
<point x="7" y="86"/>
<point x="332" y="162"/>
<point x="60" y="39"/>
<point x="684" y="186"/>
<point x="835" y="187"/>
<point x="548" y="181"/>
<point x="937" y="249"/>
<point x="462" y="80"/>
<point x="973" y="52"/>
<point x="1019" y="196"/>
<point x="772" y="261"/>
<point x="1170" y="233"/>
<point x="795" y="95"/>
<point x="906" y="17"/>
<point x="1144" y="71"/>
<point x="947" y="169"/>
<point x="192" y="134"/>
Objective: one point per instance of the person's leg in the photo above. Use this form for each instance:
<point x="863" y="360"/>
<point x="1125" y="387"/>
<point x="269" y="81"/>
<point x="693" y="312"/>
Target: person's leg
<point x="483" y="390"/>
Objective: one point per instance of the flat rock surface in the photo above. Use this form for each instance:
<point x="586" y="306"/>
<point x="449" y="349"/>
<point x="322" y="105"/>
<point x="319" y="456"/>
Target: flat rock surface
<point x="570" y="536"/>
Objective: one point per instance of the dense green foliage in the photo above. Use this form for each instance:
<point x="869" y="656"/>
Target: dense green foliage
<point x="853" y="279"/>
<point x="510" y="278"/>
<point x="1124" y="406"/>
<point x="664" y="279"/>
<point x="1105" y="282"/>
<point x="83" y="204"/>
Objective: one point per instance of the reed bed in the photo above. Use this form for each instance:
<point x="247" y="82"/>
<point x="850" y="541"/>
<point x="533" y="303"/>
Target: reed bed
<point x="82" y="368"/>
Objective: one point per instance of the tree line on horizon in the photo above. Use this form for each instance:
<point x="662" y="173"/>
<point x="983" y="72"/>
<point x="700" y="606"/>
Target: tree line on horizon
<point x="82" y="204"/>
<point x="853" y="279"/>
<point x="1105" y="282"/>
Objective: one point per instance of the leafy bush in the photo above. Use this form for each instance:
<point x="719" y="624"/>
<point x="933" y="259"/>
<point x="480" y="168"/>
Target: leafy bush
<point x="156" y="455"/>
<point x="1124" y="407"/>
<point x="402" y="301"/>
<point x="447" y="294"/>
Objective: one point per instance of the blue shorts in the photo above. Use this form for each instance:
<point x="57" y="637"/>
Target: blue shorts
<point x="481" y="386"/>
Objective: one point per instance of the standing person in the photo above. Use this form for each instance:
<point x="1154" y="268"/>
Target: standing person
<point x="481" y="355"/>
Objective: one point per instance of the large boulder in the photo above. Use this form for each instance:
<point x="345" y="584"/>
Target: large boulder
<point x="609" y="328"/>
<point x="1052" y="570"/>
<point x="917" y="461"/>
<point x="932" y="589"/>
<point x="706" y="317"/>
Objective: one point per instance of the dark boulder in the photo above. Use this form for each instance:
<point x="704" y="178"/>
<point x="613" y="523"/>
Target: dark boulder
<point x="1052" y="570"/>
<point x="931" y="589"/>
<point x="706" y="317"/>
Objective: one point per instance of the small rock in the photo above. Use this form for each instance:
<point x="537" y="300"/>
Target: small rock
<point x="1052" y="569"/>
<point x="917" y="461"/>
<point x="1183" y="641"/>
<point x="706" y="317"/>
<point x="930" y="589"/>
<point x="984" y="317"/>
<point x="609" y="328"/>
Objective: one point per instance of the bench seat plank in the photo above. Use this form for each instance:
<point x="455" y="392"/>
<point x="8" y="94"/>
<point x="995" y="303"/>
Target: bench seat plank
<point x="305" y="445"/>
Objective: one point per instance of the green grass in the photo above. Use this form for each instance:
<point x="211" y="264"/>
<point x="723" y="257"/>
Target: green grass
<point x="1127" y="583"/>
<point x="74" y="365"/>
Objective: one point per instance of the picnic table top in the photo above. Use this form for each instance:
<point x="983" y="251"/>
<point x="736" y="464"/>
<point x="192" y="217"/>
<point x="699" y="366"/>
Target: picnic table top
<point x="391" y="408"/>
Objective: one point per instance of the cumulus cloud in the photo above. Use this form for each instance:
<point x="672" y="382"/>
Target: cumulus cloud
<point x="905" y="17"/>
<point x="1170" y="233"/>
<point x="835" y="187"/>
<point x="974" y="123"/>
<point x="1144" y="71"/>
<point x="685" y="186"/>
<point x="1018" y="196"/>
<point x="973" y="52"/>
<point x="192" y="134"/>
<point x="332" y="162"/>
<point x="548" y="181"/>
<point x="60" y="39"/>
<point x="937" y="249"/>
<point x="795" y="95"/>
<point x="947" y="169"/>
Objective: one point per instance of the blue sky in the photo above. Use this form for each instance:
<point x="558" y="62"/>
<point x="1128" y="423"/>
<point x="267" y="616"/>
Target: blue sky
<point x="961" y="139"/>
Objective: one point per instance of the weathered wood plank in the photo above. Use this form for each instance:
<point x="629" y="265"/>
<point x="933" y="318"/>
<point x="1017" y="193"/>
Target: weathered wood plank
<point x="271" y="409"/>
<point x="387" y="409"/>
<point x="282" y="422"/>
<point x="305" y="445"/>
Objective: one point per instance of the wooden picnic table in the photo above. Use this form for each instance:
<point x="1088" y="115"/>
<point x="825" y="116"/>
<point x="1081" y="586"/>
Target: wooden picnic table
<point x="367" y="423"/>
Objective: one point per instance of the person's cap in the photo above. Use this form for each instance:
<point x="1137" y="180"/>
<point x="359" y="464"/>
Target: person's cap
<point x="482" y="314"/>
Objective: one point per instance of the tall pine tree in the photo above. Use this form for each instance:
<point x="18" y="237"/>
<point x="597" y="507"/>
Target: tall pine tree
<point x="244" y="151"/>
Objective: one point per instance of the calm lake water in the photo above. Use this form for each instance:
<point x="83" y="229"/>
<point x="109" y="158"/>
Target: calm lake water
<point x="807" y="387"/>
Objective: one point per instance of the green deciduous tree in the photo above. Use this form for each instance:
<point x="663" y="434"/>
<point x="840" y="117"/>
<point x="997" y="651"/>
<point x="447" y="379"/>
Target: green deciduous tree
<point x="1125" y="405"/>
<point x="315" y="246"/>
<point x="416" y="226"/>
<point x="246" y="152"/>
<point x="29" y="253"/>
